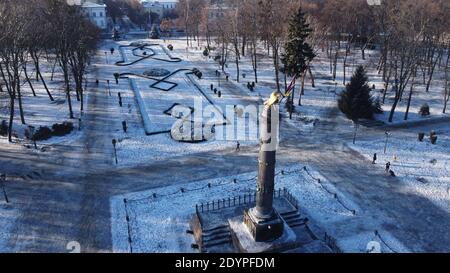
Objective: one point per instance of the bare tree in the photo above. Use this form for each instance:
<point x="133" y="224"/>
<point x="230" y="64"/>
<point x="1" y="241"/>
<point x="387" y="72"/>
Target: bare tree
<point x="85" y="39"/>
<point x="12" y="53"/>
<point x="272" y="18"/>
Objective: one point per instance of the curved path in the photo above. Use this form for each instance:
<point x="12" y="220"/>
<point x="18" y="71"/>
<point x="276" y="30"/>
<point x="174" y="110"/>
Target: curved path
<point x="145" y="57"/>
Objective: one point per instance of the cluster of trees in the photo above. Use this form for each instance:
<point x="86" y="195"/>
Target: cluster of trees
<point x="411" y="35"/>
<point x="136" y="12"/>
<point x="33" y="31"/>
<point x="116" y="9"/>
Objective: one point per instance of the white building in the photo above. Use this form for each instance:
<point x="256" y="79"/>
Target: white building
<point x="159" y="7"/>
<point x="218" y="8"/>
<point x="96" y="12"/>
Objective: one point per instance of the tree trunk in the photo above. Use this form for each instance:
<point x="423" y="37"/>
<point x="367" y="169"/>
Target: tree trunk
<point x="53" y="70"/>
<point x="28" y="80"/>
<point x="347" y="51"/>
<point x="409" y="98"/>
<point x="446" y="90"/>
<point x="45" y="86"/>
<point x="236" y="48"/>
<point x="19" y="96"/>
<point x="313" y="82"/>
<point x="11" y="117"/>
<point x="67" y="86"/>
<point x="356" y="125"/>
<point x="336" y="56"/>
<point x="302" y="89"/>
<point x="277" y="67"/>
<point x="244" y="43"/>
<point x="255" y="61"/>
<point x="433" y="67"/>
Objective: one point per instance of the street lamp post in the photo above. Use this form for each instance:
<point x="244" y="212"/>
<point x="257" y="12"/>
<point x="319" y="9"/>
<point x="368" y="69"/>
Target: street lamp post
<point x="114" y="142"/>
<point x="109" y="88"/>
<point x="3" y="179"/>
<point x="386" y="142"/>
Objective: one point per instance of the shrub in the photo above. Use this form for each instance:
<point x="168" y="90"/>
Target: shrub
<point x="62" y="129"/>
<point x="197" y="73"/>
<point x="433" y="139"/>
<point x="377" y="109"/>
<point x="205" y="52"/>
<point x="421" y="136"/>
<point x="424" y="110"/>
<point x="3" y="128"/>
<point x="43" y="133"/>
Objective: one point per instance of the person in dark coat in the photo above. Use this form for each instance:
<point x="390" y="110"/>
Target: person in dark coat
<point x="388" y="166"/>
<point x="374" y="158"/>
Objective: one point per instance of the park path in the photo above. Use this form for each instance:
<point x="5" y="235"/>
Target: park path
<point x="420" y="225"/>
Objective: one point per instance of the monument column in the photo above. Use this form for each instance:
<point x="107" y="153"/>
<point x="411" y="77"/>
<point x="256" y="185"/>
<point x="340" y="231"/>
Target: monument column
<point x="263" y="222"/>
<point x="266" y="171"/>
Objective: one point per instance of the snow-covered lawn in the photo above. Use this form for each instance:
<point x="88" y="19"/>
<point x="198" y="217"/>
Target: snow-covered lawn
<point x="316" y="101"/>
<point x="159" y="218"/>
<point x="39" y="110"/>
<point x="146" y="105"/>
<point x="421" y="166"/>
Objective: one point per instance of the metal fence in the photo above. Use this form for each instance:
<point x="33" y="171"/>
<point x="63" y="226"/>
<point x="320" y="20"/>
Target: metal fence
<point x="243" y="200"/>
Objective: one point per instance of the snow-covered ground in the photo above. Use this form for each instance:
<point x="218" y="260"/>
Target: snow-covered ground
<point x="159" y="218"/>
<point x="316" y="101"/>
<point x="136" y="147"/>
<point x="421" y="166"/>
<point x="159" y="224"/>
<point x="39" y="110"/>
<point x="7" y="220"/>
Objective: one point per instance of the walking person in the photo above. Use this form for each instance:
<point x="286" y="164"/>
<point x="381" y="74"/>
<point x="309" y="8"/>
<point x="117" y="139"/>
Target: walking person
<point x="374" y="158"/>
<point x="238" y="147"/>
<point x="388" y="167"/>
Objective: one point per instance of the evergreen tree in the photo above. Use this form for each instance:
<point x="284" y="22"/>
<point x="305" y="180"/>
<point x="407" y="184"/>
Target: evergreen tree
<point x="298" y="53"/>
<point x="154" y="33"/>
<point x="355" y="101"/>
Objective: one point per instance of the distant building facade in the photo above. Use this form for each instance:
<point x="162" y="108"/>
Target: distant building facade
<point x="218" y="8"/>
<point x="94" y="10"/>
<point x="159" y="7"/>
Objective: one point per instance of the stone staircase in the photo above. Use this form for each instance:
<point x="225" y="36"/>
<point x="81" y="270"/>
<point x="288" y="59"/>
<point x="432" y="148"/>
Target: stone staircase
<point x="293" y="219"/>
<point x="216" y="236"/>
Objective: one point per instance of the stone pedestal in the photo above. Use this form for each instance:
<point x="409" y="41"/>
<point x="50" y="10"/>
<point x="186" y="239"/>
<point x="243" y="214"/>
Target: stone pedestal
<point x="263" y="229"/>
<point x="244" y="242"/>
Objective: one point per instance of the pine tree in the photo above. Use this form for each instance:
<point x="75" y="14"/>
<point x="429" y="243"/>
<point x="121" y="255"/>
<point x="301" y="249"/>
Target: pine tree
<point x="298" y="53"/>
<point x="154" y="33"/>
<point x="355" y="101"/>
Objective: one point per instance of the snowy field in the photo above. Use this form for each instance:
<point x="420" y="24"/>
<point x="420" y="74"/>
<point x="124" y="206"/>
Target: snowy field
<point x="158" y="219"/>
<point x="317" y="100"/>
<point x="39" y="110"/>
<point x="135" y="147"/>
<point x="421" y="166"/>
